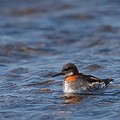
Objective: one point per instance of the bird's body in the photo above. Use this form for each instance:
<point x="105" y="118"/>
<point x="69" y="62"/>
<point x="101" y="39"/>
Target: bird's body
<point x="85" y="84"/>
<point x="76" y="82"/>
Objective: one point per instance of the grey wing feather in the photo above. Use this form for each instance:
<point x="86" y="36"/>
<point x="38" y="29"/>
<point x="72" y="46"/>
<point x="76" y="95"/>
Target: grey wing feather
<point x="95" y="84"/>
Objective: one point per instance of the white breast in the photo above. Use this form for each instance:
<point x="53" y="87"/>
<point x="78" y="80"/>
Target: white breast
<point x="68" y="89"/>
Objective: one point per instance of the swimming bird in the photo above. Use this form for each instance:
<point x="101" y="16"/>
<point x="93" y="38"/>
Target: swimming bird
<point x="75" y="82"/>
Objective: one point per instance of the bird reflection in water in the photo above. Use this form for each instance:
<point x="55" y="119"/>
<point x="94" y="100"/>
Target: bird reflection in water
<point x="72" y="98"/>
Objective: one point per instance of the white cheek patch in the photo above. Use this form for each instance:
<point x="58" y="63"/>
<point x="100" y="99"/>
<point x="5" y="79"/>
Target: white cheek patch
<point x="69" y="74"/>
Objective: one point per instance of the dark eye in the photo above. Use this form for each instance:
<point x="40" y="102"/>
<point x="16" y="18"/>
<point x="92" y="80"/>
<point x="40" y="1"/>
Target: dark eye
<point x="66" y="69"/>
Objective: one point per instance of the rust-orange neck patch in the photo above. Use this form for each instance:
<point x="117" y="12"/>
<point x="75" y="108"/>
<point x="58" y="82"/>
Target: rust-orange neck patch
<point x="71" y="78"/>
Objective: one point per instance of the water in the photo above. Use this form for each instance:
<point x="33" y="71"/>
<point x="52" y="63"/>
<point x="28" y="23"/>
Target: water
<point x="37" y="38"/>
